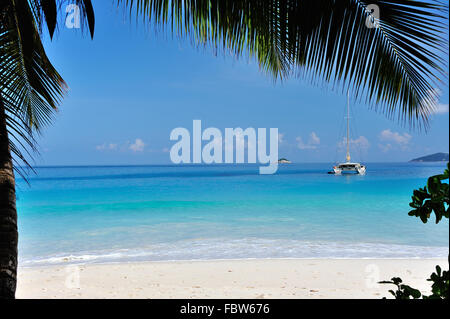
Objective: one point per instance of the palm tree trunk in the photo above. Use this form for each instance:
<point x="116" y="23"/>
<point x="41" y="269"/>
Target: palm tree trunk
<point x="8" y="215"/>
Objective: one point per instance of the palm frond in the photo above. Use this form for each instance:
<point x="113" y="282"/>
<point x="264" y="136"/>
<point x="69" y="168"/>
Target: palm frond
<point x="396" y="65"/>
<point x="30" y="87"/>
<point x="47" y="12"/>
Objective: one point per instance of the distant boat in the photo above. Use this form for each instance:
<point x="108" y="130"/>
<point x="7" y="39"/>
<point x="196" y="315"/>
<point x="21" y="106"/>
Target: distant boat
<point x="284" y="161"/>
<point x="348" y="166"/>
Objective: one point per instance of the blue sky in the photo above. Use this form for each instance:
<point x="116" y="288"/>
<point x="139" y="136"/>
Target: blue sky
<point x="130" y="86"/>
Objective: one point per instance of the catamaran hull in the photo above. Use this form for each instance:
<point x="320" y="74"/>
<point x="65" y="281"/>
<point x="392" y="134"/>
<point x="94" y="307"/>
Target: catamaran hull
<point x="349" y="169"/>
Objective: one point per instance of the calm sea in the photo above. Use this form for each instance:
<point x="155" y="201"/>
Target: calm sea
<point x="137" y="213"/>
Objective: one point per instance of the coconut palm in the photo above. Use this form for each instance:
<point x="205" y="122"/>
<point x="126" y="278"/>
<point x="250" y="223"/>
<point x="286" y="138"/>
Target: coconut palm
<point x="388" y="53"/>
<point x="30" y="90"/>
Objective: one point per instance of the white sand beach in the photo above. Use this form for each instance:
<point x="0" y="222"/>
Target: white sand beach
<point x="271" y="278"/>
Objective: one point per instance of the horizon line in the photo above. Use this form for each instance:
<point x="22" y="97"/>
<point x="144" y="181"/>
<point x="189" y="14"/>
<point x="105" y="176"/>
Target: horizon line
<point x="205" y="165"/>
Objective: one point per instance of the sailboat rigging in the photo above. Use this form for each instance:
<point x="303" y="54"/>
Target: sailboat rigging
<point x="348" y="166"/>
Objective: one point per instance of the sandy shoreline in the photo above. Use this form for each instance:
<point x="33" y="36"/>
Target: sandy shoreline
<point x="259" y="278"/>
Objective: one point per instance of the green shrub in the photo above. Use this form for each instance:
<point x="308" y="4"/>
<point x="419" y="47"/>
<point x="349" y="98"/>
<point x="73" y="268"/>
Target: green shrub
<point x="433" y="198"/>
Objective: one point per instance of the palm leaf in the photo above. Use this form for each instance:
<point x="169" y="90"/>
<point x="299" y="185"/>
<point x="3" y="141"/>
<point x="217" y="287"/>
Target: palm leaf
<point x="395" y="67"/>
<point x="46" y="12"/>
<point x="30" y="87"/>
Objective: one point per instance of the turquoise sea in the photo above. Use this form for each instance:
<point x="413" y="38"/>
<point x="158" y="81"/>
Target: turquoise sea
<point x="137" y="213"/>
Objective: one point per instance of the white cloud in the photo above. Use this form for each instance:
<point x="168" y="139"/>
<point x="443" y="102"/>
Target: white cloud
<point x="106" y="147"/>
<point x="389" y="136"/>
<point x="392" y="139"/>
<point x="314" y="139"/>
<point x="280" y="138"/>
<point x="361" y="142"/>
<point x="138" y="145"/>
<point x="433" y="102"/>
<point x="441" y="108"/>
<point x="313" y="142"/>
<point x="385" y="147"/>
<point x="301" y="145"/>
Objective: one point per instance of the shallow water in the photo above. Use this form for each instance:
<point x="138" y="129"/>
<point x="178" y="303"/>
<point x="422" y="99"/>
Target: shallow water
<point x="127" y="213"/>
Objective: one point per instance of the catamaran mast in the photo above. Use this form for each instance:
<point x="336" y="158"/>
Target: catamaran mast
<point x="348" y="127"/>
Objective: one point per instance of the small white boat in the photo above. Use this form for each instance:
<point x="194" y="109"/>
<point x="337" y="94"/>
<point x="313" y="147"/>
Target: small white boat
<point x="284" y="161"/>
<point x="348" y="166"/>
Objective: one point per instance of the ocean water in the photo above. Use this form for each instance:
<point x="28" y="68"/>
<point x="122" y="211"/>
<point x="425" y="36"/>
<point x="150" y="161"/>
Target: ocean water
<point x="140" y="213"/>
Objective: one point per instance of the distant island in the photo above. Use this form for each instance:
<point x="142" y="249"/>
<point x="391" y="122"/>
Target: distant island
<point x="284" y="161"/>
<point x="438" y="157"/>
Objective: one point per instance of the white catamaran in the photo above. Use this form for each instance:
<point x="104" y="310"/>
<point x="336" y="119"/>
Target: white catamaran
<point x="348" y="166"/>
